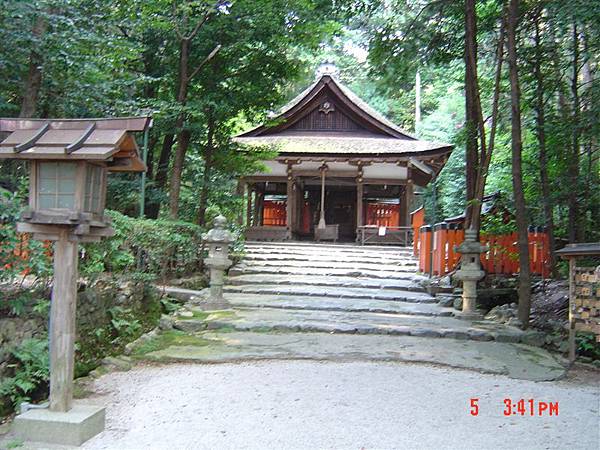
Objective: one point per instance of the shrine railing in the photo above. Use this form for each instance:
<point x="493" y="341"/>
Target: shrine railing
<point x="372" y="234"/>
<point x="434" y="246"/>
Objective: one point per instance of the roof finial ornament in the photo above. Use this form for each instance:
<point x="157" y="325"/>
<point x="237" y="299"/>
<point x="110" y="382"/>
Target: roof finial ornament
<point x="327" y="68"/>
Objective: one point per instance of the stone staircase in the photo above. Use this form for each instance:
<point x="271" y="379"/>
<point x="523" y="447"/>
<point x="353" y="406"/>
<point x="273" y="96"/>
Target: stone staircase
<point x="337" y="302"/>
<point x="336" y="288"/>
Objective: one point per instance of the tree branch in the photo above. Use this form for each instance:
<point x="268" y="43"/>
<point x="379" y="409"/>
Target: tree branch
<point x="194" y="32"/>
<point x="210" y="56"/>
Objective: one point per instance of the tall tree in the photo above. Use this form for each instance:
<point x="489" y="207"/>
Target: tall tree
<point x="485" y="151"/>
<point x="186" y="34"/>
<point x="573" y="162"/>
<point x="540" y="116"/>
<point x="33" y="80"/>
<point x="471" y="104"/>
<point x="517" y="171"/>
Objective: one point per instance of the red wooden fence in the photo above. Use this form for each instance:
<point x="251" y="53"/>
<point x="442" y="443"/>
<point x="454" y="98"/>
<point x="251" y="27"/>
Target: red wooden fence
<point x="502" y="258"/>
<point x="274" y="213"/>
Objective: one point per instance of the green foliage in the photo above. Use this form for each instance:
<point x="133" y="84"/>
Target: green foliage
<point x="587" y="345"/>
<point x="125" y="324"/>
<point x="30" y="365"/>
<point x="12" y="245"/>
<point x="152" y="247"/>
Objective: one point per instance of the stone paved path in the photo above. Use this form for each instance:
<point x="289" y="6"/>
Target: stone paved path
<point x="338" y="302"/>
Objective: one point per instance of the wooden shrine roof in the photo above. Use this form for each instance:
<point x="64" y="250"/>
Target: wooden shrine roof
<point x="108" y="140"/>
<point x="328" y="118"/>
<point x="583" y="249"/>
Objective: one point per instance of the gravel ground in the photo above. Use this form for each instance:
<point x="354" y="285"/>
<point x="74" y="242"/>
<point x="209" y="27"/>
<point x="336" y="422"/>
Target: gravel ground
<point x="326" y="405"/>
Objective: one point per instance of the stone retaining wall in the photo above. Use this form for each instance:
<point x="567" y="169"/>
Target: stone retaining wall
<point x="138" y="300"/>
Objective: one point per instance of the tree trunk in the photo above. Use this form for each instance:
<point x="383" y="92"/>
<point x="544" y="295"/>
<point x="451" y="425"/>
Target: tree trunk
<point x="160" y="180"/>
<point x="184" y="135"/>
<point x="33" y="82"/>
<point x="541" y="135"/>
<point x="573" y="163"/>
<point x="591" y="169"/>
<point x="474" y="220"/>
<point x="517" y="175"/>
<point x="208" y="166"/>
<point x="470" y="104"/>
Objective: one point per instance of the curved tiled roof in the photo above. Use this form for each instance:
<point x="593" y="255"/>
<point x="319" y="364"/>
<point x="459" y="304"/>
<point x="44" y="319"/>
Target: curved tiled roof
<point x="384" y="136"/>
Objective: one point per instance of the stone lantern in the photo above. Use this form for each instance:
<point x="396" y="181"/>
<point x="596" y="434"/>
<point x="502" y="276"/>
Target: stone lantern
<point x="470" y="271"/>
<point x="218" y="240"/>
<point x="68" y="161"/>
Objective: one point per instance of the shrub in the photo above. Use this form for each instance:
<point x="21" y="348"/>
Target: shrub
<point x="30" y="364"/>
<point x="19" y="255"/>
<point x="161" y="247"/>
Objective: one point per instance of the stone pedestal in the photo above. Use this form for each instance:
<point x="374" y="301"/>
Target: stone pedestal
<point x="470" y="273"/>
<point x="217" y="240"/>
<point x="72" y="427"/>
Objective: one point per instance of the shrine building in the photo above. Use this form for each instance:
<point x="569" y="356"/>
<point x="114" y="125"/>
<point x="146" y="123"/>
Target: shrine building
<point x="342" y="172"/>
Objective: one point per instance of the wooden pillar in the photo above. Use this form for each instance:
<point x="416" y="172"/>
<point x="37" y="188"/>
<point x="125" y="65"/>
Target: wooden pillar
<point x="256" y="210"/>
<point x="409" y="198"/>
<point x="248" y="205"/>
<point x="322" y="223"/>
<point x="572" y="294"/>
<point x="403" y="206"/>
<point x="62" y="324"/>
<point x="289" y="207"/>
<point x="240" y="193"/>
<point x="359" y="203"/>
<point x="299" y="203"/>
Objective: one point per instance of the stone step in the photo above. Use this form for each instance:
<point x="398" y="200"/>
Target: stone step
<point x="323" y="291"/>
<point x="255" y="268"/>
<point x="354" y="249"/>
<point x="329" y="265"/>
<point x="330" y="281"/>
<point x="344" y="322"/>
<point x="514" y="360"/>
<point x="332" y="259"/>
<point x="317" y="246"/>
<point x="335" y="304"/>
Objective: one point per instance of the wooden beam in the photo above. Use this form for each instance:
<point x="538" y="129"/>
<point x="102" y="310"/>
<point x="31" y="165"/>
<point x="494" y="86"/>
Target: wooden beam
<point x="265" y="178"/>
<point x="81" y="139"/>
<point x="330" y="173"/>
<point x="422" y="166"/>
<point x="31" y="142"/>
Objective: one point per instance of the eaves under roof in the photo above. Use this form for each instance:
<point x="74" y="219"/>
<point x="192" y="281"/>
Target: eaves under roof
<point x="374" y="145"/>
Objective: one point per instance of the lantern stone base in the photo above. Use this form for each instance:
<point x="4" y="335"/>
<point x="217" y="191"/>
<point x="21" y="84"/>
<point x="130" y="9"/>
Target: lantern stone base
<point x="80" y="423"/>
<point x="469" y="315"/>
<point x="215" y="305"/>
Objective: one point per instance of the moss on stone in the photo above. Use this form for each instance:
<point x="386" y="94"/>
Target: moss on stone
<point x="216" y="315"/>
<point x="167" y="339"/>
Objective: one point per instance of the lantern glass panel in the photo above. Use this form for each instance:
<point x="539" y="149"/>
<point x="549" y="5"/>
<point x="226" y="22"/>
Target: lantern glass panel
<point x="56" y="185"/>
<point x="93" y="187"/>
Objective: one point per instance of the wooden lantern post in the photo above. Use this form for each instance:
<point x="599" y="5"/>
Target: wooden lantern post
<point x="68" y="164"/>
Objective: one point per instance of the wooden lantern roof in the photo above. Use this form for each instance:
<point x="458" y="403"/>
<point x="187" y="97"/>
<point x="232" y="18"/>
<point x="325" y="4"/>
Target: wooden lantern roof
<point x="329" y="120"/>
<point x="108" y="140"/>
